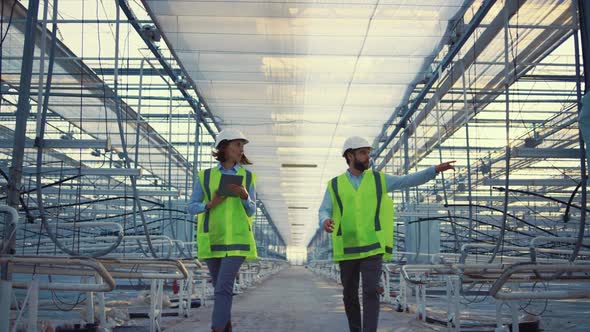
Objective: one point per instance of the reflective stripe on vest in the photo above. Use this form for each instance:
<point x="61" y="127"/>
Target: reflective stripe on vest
<point x="358" y="250"/>
<point x="379" y="195"/>
<point x="248" y="180"/>
<point x="230" y="247"/>
<point x="335" y="189"/>
<point x="206" y="181"/>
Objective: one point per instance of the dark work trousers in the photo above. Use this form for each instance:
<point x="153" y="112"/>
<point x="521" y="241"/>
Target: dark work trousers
<point x="369" y="269"/>
<point x="223" y="272"/>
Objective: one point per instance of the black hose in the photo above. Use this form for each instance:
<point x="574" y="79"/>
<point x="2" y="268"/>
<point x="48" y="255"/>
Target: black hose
<point x="566" y="213"/>
<point x="444" y="218"/>
<point x="508" y="215"/>
<point x="526" y="192"/>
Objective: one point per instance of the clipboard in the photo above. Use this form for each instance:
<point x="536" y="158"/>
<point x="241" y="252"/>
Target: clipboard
<point x="227" y="179"/>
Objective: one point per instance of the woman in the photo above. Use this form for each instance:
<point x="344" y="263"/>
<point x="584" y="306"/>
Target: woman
<point x="224" y="228"/>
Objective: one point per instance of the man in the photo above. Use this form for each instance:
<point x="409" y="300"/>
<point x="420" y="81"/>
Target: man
<point x="358" y="212"/>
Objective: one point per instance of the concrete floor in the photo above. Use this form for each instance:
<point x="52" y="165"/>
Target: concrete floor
<point x="293" y="300"/>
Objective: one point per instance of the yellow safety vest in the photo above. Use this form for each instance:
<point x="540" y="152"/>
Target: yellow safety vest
<point x="226" y="230"/>
<point x="363" y="217"/>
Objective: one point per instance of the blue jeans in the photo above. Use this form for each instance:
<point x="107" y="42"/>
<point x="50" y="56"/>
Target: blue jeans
<point x="223" y="271"/>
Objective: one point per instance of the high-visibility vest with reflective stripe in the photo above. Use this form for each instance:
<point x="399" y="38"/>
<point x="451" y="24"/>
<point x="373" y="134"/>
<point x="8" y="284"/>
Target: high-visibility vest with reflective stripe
<point x="363" y="217"/>
<point x="225" y="230"/>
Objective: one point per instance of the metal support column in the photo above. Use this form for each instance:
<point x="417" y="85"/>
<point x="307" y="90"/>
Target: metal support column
<point x="22" y="113"/>
<point x="468" y="151"/>
<point x="507" y="80"/>
<point x="89" y="303"/>
<point x="33" y="305"/>
<point x="584" y="20"/>
<point x="406" y="166"/>
<point x="14" y="182"/>
<point x="196" y="157"/>
<point x="584" y="17"/>
<point x="406" y="192"/>
<point x="5" y="298"/>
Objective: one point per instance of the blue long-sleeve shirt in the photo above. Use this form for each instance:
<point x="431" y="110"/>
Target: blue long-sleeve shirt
<point x="392" y="182"/>
<point x="196" y="204"/>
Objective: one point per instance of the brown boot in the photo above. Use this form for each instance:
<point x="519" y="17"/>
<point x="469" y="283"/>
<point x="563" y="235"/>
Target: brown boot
<point x="228" y="327"/>
<point x="216" y="330"/>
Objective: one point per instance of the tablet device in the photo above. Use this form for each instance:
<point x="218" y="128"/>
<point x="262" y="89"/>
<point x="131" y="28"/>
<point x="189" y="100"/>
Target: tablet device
<point x="227" y="179"/>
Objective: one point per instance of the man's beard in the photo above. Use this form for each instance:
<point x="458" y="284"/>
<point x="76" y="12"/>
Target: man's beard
<point x="359" y="165"/>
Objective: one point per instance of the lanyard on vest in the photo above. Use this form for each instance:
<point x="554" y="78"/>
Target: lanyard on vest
<point x="378" y="189"/>
<point x="206" y="182"/>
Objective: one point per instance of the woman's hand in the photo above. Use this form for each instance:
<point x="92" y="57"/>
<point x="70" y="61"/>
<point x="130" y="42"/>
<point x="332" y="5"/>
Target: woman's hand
<point x="217" y="199"/>
<point x="238" y="190"/>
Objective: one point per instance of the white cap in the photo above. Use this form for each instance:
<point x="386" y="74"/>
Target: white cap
<point x="229" y="135"/>
<point x="355" y="142"/>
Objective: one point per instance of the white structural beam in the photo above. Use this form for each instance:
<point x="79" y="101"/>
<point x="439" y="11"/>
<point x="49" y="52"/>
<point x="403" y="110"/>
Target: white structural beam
<point x="110" y="192"/>
<point x="63" y="144"/>
<point x="545" y="153"/>
<point x="532" y="182"/>
<point x="84" y="171"/>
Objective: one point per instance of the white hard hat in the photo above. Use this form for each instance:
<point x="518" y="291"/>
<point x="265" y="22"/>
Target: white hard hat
<point x="229" y="135"/>
<point x="355" y="142"/>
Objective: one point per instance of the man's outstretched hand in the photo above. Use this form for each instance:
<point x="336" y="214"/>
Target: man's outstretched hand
<point x="445" y="166"/>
